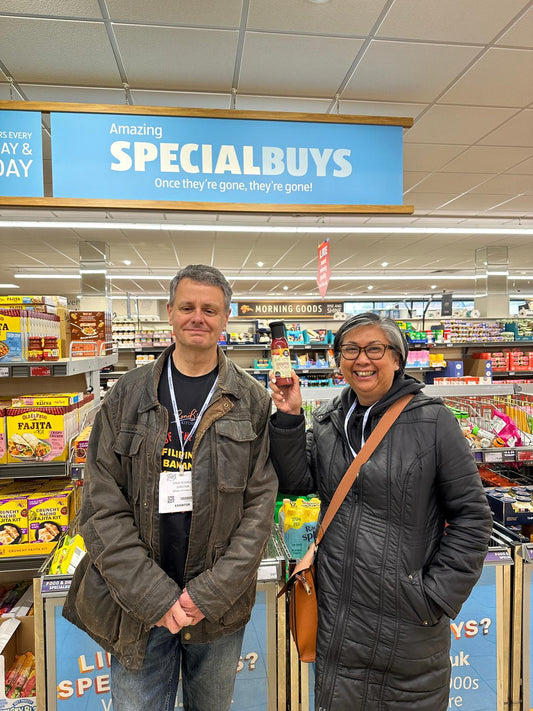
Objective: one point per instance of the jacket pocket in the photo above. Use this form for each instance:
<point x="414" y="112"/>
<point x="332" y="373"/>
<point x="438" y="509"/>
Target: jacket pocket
<point x="234" y="446"/>
<point x="99" y="612"/>
<point x="128" y="447"/>
<point x="418" y="606"/>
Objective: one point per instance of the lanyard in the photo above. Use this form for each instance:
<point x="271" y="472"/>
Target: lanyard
<point x="176" y="413"/>
<point x="365" y="419"/>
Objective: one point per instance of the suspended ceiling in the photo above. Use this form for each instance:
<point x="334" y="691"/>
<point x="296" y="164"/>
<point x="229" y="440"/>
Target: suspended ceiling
<point x="462" y="69"/>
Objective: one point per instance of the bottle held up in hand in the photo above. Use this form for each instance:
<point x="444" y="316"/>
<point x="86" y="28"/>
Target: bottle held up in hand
<point x="279" y="350"/>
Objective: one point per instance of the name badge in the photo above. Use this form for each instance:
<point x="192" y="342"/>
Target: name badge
<point x="175" y="491"/>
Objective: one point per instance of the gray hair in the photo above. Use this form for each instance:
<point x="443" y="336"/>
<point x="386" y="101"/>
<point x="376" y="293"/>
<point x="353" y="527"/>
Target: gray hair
<point x="388" y="326"/>
<point x="204" y="275"/>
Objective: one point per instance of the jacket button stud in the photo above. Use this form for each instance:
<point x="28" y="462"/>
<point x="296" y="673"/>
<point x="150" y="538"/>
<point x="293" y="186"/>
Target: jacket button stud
<point x="145" y="504"/>
<point x="187" y="635"/>
<point x="426" y="622"/>
<point x="411" y="577"/>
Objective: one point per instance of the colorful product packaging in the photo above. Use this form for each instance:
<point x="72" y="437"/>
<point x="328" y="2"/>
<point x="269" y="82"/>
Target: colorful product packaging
<point x="13" y="336"/>
<point x="13" y="520"/>
<point x="49" y="515"/>
<point x="40" y="433"/>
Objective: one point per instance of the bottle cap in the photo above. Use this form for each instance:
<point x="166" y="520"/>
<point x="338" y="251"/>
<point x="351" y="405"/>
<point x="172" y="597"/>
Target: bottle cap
<point x="277" y="329"/>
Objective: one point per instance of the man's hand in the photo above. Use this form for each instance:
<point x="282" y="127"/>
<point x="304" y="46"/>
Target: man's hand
<point x="190" y="609"/>
<point x="175" y="619"/>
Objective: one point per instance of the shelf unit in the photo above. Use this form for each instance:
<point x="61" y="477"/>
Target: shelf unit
<point x="18" y="376"/>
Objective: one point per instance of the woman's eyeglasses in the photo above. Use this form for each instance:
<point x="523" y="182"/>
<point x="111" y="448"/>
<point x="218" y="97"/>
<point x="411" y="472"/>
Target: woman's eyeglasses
<point x="375" y="351"/>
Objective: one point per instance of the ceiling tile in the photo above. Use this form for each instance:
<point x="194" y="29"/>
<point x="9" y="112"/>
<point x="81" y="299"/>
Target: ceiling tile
<point x="145" y="50"/>
<point x="343" y="17"/>
<point x="428" y="157"/>
<point x="521" y="33"/>
<point x="170" y="12"/>
<point x="81" y="95"/>
<point x="266" y="58"/>
<point x="406" y="71"/>
<point x="456" y="124"/>
<point x="181" y="99"/>
<point x="487" y="159"/>
<point x="454" y="20"/>
<point x="517" y="131"/>
<point x="449" y="182"/>
<point x="42" y="55"/>
<point x="507" y="184"/>
<point x="487" y="83"/>
<point x="53" y="8"/>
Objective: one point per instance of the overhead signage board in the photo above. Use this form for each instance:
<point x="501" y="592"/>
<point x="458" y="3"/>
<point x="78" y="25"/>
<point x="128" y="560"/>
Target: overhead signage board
<point x="290" y="309"/>
<point x="228" y="161"/>
<point x="21" y="154"/>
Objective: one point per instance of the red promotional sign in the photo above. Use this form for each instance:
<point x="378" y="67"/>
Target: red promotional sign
<point x="324" y="272"/>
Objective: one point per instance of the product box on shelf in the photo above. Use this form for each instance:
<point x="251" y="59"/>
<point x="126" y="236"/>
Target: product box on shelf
<point x="3" y="432"/>
<point x="89" y="327"/>
<point x="511" y="504"/>
<point x="13" y="336"/>
<point x="49" y="515"/>
<point x="13" y="519"/>
<point x="478" y="367"/>
<point x="40" y="434"/>
<point x="17" y="664"/>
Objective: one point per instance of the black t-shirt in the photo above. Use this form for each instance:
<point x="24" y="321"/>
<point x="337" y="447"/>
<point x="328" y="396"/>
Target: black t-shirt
<point x="191" y="394"/>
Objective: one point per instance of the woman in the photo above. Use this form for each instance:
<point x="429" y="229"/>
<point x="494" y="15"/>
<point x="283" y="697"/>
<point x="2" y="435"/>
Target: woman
<point x="408" y="543"/>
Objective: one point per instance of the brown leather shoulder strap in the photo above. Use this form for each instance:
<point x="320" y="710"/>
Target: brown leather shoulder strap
<point x="364" y="454"/>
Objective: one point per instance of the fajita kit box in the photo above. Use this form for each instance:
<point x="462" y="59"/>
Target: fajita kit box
<point x="13" y="336"/>
<point x="40" y="434"/>
<point x="80" y="445"/>
<point x="13" y="520"/>
<point x="3" y="433"/>
<point x="47" y="400"/>
<point x="49" y="515"/>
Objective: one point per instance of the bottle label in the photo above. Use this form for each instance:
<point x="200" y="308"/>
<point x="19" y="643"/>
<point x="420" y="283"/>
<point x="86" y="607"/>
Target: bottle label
<point x="281" y="362"/>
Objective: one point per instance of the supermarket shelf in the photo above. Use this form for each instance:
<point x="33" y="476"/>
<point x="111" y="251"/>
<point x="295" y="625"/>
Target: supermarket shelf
<point x="34" y="470"/>
<point x="62" y="367"/>
<point x="469" y="390"/>
<point x="113" y="374"/>
<point x="22" y="564"/>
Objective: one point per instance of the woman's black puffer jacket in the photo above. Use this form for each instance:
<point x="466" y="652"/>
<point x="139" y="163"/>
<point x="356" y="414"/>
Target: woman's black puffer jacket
<point x="401" y="555"/>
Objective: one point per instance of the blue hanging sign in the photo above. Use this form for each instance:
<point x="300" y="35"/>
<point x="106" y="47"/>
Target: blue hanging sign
<point x="21" y="154"/>
<point x="238" y="161"/>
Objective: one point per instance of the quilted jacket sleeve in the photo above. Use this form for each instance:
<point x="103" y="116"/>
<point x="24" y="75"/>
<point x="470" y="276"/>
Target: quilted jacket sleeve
<point x="458" y="563"/>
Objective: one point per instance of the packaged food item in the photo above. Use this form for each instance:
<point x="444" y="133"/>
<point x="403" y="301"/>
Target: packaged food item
<point x="80" y="445"/>
<point x="35" y="349"/>
<point x="298" y="520"/>
<point x="49" y="515"/>
<point x="281" y="358"/>
<point x="13" y="519"/>
<point x="40" y="433"/>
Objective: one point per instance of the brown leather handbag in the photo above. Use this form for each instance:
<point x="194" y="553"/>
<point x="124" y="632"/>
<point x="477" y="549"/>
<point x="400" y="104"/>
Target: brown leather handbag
<point x="301" y="586"/>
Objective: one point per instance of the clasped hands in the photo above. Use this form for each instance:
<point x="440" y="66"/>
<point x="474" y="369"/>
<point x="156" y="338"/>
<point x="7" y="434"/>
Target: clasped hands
<point x="183" y="613"/>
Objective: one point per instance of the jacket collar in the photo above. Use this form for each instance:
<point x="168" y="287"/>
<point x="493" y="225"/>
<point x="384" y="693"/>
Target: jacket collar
<point x="228" y="383"/>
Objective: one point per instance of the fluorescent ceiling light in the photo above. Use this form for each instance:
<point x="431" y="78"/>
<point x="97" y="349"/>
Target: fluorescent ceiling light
<point x="281" y="229"/>
<point x="46" y="276"/>
<point x="9" y="286"/>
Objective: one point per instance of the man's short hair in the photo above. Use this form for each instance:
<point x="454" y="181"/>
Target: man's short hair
<point x="204" y="275"/>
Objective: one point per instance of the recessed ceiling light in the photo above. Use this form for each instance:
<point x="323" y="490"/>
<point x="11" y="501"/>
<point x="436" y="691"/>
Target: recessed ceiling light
<point x="384" y="264"/>
<point x="259" y="264"/>
<point x="127" y="262"/>
<point x="285" y="288"/>
<point x="370" y="287"/>
<point x="318" y="2"/>
<point x="433" y="286"/>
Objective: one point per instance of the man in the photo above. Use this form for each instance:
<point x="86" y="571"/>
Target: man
<point x="178" y="505"/>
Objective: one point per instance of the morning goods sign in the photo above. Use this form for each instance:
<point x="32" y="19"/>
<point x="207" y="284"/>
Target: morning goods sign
<point x="225" y="160"/>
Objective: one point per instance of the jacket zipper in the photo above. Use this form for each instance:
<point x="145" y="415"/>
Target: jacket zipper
<point x="340" y="621"/>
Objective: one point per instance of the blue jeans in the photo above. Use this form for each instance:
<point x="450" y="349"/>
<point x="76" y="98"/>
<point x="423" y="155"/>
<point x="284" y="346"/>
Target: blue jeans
<point x="208" y="674"/>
